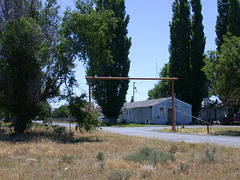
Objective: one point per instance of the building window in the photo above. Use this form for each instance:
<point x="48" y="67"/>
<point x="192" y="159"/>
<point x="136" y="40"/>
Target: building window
<point x="130" y="112"/>
<point x="161" y="111"/>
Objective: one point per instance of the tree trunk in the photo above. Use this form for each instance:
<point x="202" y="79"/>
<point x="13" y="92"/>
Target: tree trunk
<point x="20" y="124"/>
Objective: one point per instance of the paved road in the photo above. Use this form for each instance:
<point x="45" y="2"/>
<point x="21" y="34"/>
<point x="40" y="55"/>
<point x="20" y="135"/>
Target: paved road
<point x="149" y="132"/>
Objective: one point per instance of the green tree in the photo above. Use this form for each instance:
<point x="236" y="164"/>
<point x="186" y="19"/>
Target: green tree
<point x="88" y="32"/>
<point x="179" y="63"/>
<point x="186" y="56"/>
<point x="91" y="33"/>
<point x="34" y="59"/>
<point x="162" y="89"/>
<point x="84" y="119"/>
<point x="111" y="95"/>
<point x="233" y="26"/>
<point x="228" y="20"/>
<point x="222" y="21"/>
<point x="44" y="111"/>
<point x="61" y="112"/>
<point x="198" y="82"/>
<point x="222" y="70"/>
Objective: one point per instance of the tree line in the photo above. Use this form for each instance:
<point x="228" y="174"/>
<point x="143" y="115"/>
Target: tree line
<point x="39" y="50"/>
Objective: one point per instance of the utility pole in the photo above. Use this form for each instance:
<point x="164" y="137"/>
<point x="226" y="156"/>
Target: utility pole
<point x="134" y="88"/>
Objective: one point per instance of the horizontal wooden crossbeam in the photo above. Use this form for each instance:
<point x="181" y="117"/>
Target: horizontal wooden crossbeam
<point x="129" y="78"/>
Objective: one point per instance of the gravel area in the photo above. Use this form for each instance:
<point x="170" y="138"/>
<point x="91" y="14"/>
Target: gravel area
<point x="149" y="132"/>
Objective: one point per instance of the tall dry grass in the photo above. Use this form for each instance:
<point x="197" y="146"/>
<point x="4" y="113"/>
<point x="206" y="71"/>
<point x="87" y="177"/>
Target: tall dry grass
<point x="45" y="158"/>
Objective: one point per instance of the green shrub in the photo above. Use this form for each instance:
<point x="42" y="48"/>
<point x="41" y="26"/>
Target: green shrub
<point x="139" y="156"/>
<point x="146" y="151"/>
<point x="209" y="155"/>
<point x="67" y="158"/>
<point x="160" y="157"/>
<point x="60" y="130"/>
<point x="100" y="156"/>
<point x="151" y="156"/>
<point x="118" y="175"/>
<point x="193" y="145"/>
<point x="173" y="148"/>
<point x="184" y="167"/>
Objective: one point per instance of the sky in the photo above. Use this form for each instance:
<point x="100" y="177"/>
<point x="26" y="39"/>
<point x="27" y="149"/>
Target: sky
<point x="150" y="33"/>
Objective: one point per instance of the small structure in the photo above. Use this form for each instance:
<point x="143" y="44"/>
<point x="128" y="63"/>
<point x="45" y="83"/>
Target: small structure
<point x="157" y="111"/>
<point x="216" y="111"/>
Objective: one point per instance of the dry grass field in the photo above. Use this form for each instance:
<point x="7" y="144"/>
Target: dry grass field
<point x="100" y="155"/>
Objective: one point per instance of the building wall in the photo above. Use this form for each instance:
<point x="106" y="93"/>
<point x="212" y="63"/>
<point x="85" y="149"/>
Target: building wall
<point x="143" y="114"/>
<point x="217" y="113"/>
<point x="136" y="115"/>
<point x="162" y="118"/>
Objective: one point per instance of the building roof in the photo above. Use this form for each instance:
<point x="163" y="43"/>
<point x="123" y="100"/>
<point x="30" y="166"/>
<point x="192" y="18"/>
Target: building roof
<point x="148" y="103"/>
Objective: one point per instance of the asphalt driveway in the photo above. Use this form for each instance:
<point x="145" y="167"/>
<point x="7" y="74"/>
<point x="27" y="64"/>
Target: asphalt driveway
<point x="149" y="132"/>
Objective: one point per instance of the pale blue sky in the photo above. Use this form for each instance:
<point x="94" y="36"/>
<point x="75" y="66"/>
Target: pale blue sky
<point x="149" y="30"/>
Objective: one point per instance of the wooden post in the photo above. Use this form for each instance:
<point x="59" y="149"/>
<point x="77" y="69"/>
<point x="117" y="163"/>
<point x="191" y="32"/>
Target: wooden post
<point x="128" y="78"/>
<point x="90" y="95"/>
<point x="207" y="120"/>
<point x="173" y="123"/>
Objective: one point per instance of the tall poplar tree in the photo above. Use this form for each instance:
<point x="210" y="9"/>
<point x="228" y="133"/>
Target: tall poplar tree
<point x="222" y="22"/>
<point x="228" y="20"/>
<point x="110" y="95"/>
<point x="186" y="56"/>
<point x="198" y="41"/>
<point x="234" y="18"/>
<point x="180" y="34"/>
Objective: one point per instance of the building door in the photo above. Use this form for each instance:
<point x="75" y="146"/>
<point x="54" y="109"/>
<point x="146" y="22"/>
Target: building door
<point x="169" y="116"/>
<point x="149" y="121"/>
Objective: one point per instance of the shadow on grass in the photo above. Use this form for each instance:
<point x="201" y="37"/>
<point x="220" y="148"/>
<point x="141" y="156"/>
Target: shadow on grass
<point x="31" y="136"/>
<point x="226" y="133"/>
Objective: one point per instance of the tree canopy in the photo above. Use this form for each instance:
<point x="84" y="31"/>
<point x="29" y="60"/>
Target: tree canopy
<point x="61" y="112"/>
<point x="221" y="65"/>
<point x="110" y="95"/>
<point x="228" y="20"/>
<point x="34" y="58"/>
<point x="97" y="34"/>
<point x="187" y="44"/>
<point x="198" y="79"/>
<point x="222" y="22"/>
<point x="162" y="88"/>
<point x="222" y="70"/>
<point x="179" y="49"/>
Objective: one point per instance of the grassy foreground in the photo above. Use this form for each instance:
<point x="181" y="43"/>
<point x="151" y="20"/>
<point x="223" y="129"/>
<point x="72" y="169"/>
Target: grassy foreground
<point x="100" y="155"/>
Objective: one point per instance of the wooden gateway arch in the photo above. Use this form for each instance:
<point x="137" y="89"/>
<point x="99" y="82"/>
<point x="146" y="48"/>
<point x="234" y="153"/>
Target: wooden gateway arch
<point x="129" y="78"/>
